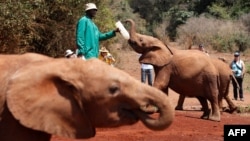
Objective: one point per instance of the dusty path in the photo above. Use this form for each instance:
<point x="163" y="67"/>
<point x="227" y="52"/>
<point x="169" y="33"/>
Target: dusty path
<point x="187" y="125"/>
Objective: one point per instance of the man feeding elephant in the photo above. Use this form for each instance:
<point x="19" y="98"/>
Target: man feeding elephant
<point x="88" y="34"/>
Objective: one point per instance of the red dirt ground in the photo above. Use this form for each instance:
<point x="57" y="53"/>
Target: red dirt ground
<point x="187" y="125"/>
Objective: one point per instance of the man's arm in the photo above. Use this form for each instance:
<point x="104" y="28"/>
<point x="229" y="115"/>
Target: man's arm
<point x="108" y="35"/>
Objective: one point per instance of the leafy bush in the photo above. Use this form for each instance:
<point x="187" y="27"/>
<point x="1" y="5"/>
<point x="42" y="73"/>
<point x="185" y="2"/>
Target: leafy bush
<point x="218" y="11"/>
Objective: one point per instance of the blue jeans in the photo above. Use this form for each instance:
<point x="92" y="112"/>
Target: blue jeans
<point x="147" y="73"/>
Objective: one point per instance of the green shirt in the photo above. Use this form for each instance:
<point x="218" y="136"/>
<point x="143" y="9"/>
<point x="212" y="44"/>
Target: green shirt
<point x="88" y="37"/>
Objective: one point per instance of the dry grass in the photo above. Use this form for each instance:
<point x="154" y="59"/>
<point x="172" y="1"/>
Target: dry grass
<point x="220" y="35"/>
<point x="243" y="109"/>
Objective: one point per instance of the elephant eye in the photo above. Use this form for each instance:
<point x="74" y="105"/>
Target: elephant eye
<point x="113" y="89"/>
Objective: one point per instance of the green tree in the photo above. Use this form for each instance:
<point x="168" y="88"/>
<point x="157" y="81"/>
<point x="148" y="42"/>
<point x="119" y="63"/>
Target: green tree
<point x="45" y="26"/>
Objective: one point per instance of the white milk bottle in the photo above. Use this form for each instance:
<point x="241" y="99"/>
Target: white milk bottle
<point x="122" y="29"/>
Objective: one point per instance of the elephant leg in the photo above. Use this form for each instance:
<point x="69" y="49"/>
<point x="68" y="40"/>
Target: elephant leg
<point x="205" y="108"/>
<point x="180" y="102"/>
<point x="231" y="105"/>
<point x="161" y="87"/>
<point x="215" y="114"/>
<point x="158" y="83"/>
<point x="220" y="98"/>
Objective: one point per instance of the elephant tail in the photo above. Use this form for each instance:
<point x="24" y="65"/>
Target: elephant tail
<point x="234" y="79"/>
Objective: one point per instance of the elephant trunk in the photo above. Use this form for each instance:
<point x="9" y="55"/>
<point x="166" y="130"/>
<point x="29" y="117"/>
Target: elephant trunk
<point x="166" y="112"/>
<point x="132" y="31"/>
<point x="133" y="40"/>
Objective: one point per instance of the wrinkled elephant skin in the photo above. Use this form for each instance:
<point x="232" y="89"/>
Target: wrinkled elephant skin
<point x="72" y="97"/>
<point x="180" y="70"/>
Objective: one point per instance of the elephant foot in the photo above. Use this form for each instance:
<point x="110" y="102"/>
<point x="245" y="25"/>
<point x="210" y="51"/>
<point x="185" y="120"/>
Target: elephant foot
<point x="230" y="110"/>
<point x="233" y="110"/>
<point x="214" y="118"/>
<point x="206" y="114"/>
<point x="224" y="109"/>
<point x="179" y="108"/>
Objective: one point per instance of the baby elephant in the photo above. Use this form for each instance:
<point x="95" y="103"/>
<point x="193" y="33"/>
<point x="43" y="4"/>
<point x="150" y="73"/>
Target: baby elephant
<point x="71" y="98"/>
<point x="224" y="79"/>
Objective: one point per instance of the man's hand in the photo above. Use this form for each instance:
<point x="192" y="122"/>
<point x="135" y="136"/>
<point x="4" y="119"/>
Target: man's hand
<point x="117" y="30"/>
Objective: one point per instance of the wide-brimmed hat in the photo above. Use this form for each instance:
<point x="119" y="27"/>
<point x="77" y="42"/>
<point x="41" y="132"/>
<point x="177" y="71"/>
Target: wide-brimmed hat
<point x="90" y="6"/>
<point x="68" y="52"/>
<point x="103" y="49"/>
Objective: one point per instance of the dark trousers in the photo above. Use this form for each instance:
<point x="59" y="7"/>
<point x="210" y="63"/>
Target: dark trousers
<point x="147" y="73"/>
<point x="235" y="89"/>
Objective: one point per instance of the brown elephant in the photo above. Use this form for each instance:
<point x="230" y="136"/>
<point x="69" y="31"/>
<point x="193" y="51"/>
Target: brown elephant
<point x="71" y="97"/>
<point x="187" y="72"/>
<point x="225" y="77"/>
<point x="9" y="65"/>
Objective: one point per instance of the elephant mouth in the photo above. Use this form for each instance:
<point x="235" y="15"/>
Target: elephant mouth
<point x="149" y="109"/>
<point x="128" y="113"/>
<point x="136" y="113"/>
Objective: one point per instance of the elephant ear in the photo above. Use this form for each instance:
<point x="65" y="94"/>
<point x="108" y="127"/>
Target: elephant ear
<point x="159" y="55"/>
<point x="47" y="100"/>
